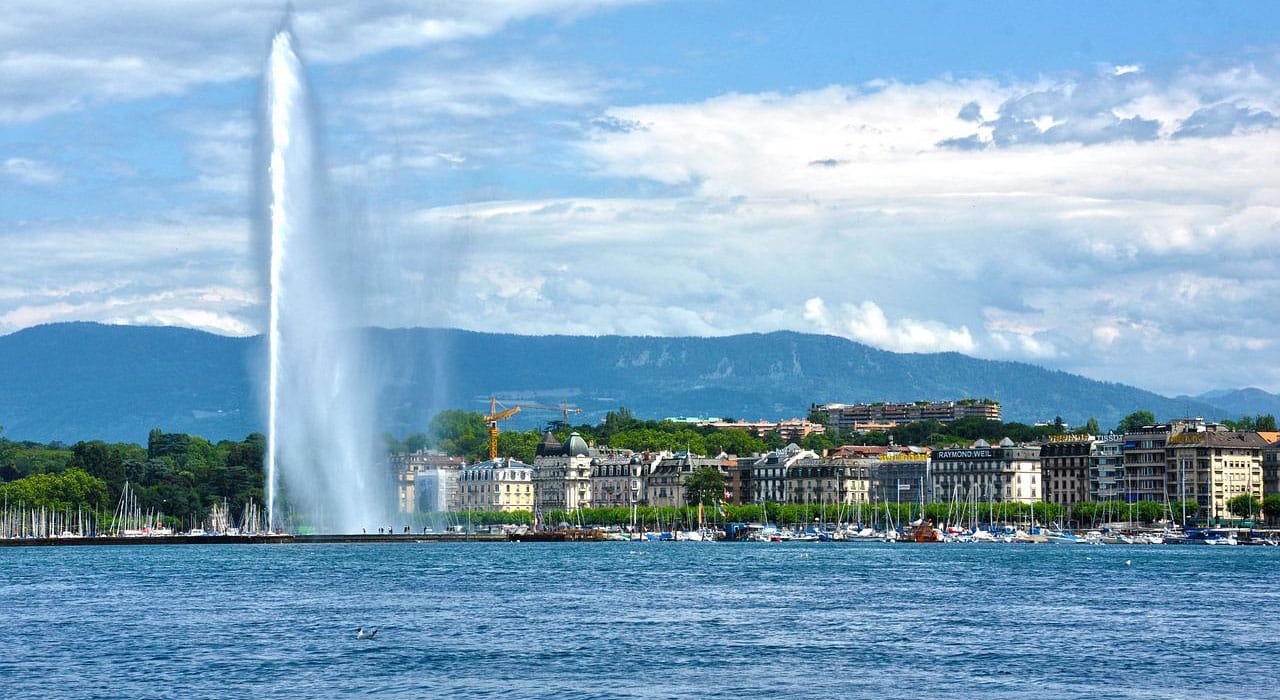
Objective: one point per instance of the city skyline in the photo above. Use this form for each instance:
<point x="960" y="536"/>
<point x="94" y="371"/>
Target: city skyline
<point x="1088" y="191"/>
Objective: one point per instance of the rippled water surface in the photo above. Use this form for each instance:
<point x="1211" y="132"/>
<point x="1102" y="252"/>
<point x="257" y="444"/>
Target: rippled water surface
<point x="640" y="620"/>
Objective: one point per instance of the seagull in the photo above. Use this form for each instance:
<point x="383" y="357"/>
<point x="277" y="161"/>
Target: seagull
<point x="362" y="633"/>
<point x="1127" y="562"/>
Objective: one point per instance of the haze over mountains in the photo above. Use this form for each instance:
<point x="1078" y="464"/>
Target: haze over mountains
<point x="75" y="381"/>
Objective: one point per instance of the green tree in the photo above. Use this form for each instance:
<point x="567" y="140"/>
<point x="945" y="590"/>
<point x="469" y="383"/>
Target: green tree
<point x="1192" y="510"/>
<point x="1135" y="420"/>
<point x="704" y="485"/>
<point x="618" y="421"/>
<point x="1091" y="426"/>
<point x="774" y="440"/>
<point x="819" y="442"/>
<point x="73" y="488"/>
<point x="161" y="444"/>
<point x="1245" y="424"/>
<point x="689" y="441"/>
<point x="521" y="445"/>
<point x="1244" y="506"/>
<point x="1149" y="511"/>
<point x="462" y="433"/>
<point x="820" y="417"/>
<point x="734" y="441"/>
<point x="643" y="440"/>
<point x="1271" y="507"/>
<point x="1265" y="422"/>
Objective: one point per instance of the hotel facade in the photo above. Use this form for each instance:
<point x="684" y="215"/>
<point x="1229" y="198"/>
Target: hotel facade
<point x="1007" y="473"/>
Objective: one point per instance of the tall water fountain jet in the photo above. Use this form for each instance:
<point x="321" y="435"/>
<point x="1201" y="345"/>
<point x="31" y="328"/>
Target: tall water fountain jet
<point x="319" y="393"/>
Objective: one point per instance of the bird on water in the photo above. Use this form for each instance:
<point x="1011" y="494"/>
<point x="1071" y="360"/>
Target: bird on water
<point x="362" y="633"/>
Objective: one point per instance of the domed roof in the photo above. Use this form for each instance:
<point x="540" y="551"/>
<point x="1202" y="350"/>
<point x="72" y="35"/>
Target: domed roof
<point x="576" y="446"/>
<point x="1006" y="442"/>
<point x="549" y="445"/>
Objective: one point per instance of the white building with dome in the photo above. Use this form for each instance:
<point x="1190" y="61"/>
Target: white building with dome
<point x="562" y="474"/>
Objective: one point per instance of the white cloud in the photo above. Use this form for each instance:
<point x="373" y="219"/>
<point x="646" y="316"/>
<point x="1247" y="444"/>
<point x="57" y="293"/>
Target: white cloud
<point x="31" y="172"/>
<point x="67" y="55"/>
<point x="866" y="322"/>
<point x="1092" y="254"/>
<point x="188" y="272"/>
<point x="1106" y="335"/>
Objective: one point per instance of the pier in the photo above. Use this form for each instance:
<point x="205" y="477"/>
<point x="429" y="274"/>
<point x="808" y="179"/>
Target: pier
<point x="251" y="539"/>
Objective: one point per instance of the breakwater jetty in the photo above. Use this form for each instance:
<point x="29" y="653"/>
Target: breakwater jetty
<point x="251" y="539"/>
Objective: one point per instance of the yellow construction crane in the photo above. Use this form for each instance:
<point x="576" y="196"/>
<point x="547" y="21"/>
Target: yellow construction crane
<point x="494" y="415"/>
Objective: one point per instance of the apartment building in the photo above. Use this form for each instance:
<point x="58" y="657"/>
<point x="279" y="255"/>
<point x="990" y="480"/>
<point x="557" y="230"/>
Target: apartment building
<point x="1106" y="469"/>
<point x="846" y="416"/>
<point x="1065" y="462"/>
<point x="1213" y="467"/>
<point x="501" y="485"/>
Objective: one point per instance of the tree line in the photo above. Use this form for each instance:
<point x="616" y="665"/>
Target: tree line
<point x="179" y="475"/>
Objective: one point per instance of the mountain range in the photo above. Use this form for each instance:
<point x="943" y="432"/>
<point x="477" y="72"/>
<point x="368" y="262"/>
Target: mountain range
<point x="79" y="381"/>
<point x="1250" y="401"/>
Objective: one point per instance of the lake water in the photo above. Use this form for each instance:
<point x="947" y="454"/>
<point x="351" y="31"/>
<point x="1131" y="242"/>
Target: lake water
<point x="640" y="620"/>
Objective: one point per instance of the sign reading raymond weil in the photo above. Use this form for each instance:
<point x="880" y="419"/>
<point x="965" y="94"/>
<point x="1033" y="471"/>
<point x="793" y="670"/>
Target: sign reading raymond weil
<point x="963" y="454"/>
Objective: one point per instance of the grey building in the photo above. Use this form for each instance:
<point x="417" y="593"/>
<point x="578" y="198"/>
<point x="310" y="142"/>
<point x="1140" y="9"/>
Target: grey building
<point x="901" y="478"/>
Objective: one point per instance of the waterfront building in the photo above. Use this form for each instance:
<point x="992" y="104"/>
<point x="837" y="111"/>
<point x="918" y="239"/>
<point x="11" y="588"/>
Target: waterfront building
<point x="615" y="478"/>
<point x="737" y="478"/>
<point x="828" y="482"/>
<point x="807" y="481"/>
<point x="1147" y="464"/>
<point x="1271" y="463"/>
<point x="1144" y="463"/>
<point x="426" y="480"/>
<point x="1065" y="464"/>
<point x="1106" y="469"/>
<point x="1213" y="467"/>
<point x="665" y="483"/>
<point x="846" y="416"/>
<point x="901" y="476"/>
<point x="501" y="485"/>
<point x="1007" y="473"/>
<point x="562" y="474"/>
<point x="769" y="472"/>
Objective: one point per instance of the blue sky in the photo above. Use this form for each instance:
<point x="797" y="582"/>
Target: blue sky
<point x="1087" y="186"/>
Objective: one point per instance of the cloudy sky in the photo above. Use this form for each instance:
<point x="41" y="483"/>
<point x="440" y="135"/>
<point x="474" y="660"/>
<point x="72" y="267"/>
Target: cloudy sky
<point x="1087" y="186"/>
